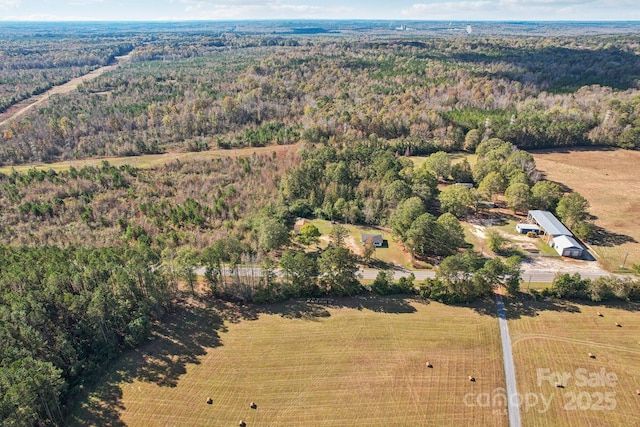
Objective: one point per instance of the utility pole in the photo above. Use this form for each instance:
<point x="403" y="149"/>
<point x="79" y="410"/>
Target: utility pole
<point x="625" y="261"/>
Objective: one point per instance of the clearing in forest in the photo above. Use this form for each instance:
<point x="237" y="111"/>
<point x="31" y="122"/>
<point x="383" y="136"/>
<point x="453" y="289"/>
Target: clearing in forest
<point x="610" y="181"/>
<point x="579" y="346"/>
<point x="147" y="161"/>
<point x="390" y="255"/>
<point x="359" y="361"/>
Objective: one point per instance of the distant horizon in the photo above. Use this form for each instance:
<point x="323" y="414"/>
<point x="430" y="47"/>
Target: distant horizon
<point x="390" y="20"/>
<point x="365" y="10"/>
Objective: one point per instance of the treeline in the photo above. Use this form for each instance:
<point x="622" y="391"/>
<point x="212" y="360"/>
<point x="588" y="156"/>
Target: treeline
<point x="419" y="95"/>
<point x="64" y="313"/>
<point x="603" y="289"/>
<point x="256" y="199"/>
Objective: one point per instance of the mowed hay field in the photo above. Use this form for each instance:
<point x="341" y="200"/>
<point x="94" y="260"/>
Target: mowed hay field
<point x="361" y="362"/>
<point x="551" y="343"/>
<point x="610" y="181"/>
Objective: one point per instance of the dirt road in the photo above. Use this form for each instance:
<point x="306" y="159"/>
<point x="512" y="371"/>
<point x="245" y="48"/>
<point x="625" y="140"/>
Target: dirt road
<point x="22" y="107"/>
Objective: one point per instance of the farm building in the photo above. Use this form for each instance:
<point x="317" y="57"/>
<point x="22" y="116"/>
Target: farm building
<point x="525" y="228"/>
<point x="567" y="246"/>
<point x="375" y="238"/>
<point x="300" y="222"/>
<point x="465" y="184"/>
<point x="549" y="225"/>
<point x="556" y="234"/>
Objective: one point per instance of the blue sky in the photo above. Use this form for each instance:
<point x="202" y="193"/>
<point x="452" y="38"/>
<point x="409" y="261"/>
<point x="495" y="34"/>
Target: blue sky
<point x="474" y="10"/>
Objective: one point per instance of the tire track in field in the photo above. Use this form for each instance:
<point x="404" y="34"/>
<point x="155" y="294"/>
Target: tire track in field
<point x="575" y="341"/>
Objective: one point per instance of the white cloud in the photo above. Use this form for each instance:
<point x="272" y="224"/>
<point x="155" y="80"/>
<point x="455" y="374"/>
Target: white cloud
<point x="450" y="10"/>
<point x="8" y="4"/>
<point x="40" y="17"/>
<point x="84" y="2"/>
<point x="256" y="9"/>
<point x="523" y="10"/>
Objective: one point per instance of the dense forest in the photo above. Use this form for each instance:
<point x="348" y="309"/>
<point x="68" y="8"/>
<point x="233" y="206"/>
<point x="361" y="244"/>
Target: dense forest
<point x="190" y="91"/>
<point x="63" y="314"/>
<point x="92" y="257"/>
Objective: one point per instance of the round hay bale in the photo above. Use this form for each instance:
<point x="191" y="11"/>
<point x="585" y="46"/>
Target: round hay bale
<point x="618" y="325"/>
<point x="559" y="385"/>
<point x="600" y="314"/>
<point x="429" y="365"/>
<point x="253" y="405"/>
<point x="591" y="355"/>
<point x="242" y="424"/>
<point x="472" y="379"/>
<point x="638" y="392"/>
<point x="209" y="401"/>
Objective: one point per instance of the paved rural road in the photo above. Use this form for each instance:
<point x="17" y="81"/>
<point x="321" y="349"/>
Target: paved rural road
<point x="529" y="274"/>
<point x="509" y="370"/>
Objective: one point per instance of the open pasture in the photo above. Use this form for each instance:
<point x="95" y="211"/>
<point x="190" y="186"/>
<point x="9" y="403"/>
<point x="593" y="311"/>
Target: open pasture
<point x="610" y="181"/>
<point x="361" y="361"/>
<point x="580" y="347"/>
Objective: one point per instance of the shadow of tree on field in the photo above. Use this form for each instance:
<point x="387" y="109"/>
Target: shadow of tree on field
<point x="523" y="305"/>
<point x="628" y="306"/>
<point x="296" y="309"/>
<point x="384" y="265"/>
<point x="602" y="237"/>
<point x="318" y="307"/>
<point x="186" y="334"/>
<point x="394" y="304"/>
<point x="183" y="337"/>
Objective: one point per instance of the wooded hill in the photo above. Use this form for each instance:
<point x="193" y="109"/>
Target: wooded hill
<point x="420" y="94"/>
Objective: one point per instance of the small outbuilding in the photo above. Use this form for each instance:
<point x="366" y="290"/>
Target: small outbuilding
<point x="468" y="185"/>
<point x="300" y="222"/>
<point x="567" y="246"/>
<point x="524" y="228"/>
<point x="376" y="239"/>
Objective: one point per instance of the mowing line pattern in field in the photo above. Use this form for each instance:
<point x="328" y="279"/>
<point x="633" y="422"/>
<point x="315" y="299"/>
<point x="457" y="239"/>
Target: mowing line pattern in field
<point x="609" y="179"/>
<point x="596" y="363"/>
<point x="362" y="362"/>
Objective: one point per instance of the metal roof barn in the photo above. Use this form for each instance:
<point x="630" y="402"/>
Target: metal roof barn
<point x="549" y="223"/>
<point x="567" y="246"/>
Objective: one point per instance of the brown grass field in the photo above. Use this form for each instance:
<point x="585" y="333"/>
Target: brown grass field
<point x="550" y="337"/>
<point x="610" y="181"/>
<point x="153" y="160"/>
<point x="360" y="362"/>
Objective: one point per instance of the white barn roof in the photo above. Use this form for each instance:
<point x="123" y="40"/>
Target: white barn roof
<point x="566" y="242"/>
<point x="567" y="246"/>
<point x="550" y="223"/>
